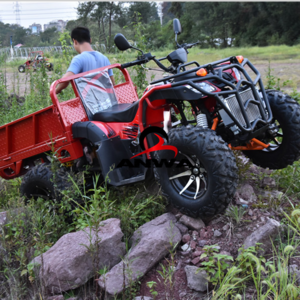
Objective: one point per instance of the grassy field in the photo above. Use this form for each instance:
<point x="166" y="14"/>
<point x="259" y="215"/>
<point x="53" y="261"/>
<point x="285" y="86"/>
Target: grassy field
<point x="281" y="53"/>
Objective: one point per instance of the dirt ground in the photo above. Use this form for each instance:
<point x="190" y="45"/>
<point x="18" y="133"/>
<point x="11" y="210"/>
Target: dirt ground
<point x="19" y="82"/>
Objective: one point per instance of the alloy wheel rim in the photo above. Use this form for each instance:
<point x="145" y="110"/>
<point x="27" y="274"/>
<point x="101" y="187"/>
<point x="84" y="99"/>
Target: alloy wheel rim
<point x="189" y="181"/>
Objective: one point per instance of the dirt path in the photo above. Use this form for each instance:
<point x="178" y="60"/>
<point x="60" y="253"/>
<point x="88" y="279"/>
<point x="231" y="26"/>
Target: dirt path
<point x="19" y="82"/>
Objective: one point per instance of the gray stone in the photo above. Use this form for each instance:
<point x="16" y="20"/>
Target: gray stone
<point x="202" y="243"/>
<point x="225" y="253"/>
<point x="250" y="212"/>
<point x="295" y="273"/>
<point x="195" y="224"/>
<point x="149" y="244"/>
<point x="239" y="236"/>
<point x="186" y="247"/>
<point x="268" y="182"/>
<point x="143" y="298"/>
<point x="197" y="282"/>
<point x="243" y="160"/>
<point x="226" y="227"/>
<point x="3" y="218"/>
<point x="69" y="263"/>
<point x="186" y="238"/>
<point x="196" y="296"/>
<point x="185" y="253"/>
<point x="263" y="235"/>
<point x="217" y="233"/>
<point x="247" y="193"/>
<point x="216" y="221"/>
<point x="271" y="195"/>
<point x="183" y="229"/>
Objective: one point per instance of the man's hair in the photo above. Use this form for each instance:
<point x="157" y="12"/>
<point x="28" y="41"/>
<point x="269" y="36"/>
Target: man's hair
<point x="81" y="35"/>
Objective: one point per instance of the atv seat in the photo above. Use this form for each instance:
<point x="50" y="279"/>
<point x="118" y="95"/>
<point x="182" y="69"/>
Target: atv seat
<point x="118" y="113"/>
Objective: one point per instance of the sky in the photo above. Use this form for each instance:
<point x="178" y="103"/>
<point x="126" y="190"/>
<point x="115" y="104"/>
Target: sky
<point x="40" y="12"/>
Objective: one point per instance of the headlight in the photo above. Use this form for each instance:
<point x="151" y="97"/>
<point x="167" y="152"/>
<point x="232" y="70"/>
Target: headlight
<point x="238" y="74"/>
<point x="205" y="86"/>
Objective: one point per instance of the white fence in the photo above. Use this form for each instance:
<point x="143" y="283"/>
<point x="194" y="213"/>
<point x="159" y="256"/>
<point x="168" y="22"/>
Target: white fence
<point x="24" y="51"/>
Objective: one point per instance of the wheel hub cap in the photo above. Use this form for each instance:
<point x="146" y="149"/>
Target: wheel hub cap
<point x="195" y="176"/>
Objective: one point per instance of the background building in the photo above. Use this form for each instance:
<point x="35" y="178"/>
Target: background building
<point x="60" y="25"/>
<point x="35" y="28"/>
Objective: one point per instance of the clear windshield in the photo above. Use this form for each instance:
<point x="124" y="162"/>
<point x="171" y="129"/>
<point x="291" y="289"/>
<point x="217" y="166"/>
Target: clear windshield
<point x="96" y="91"/>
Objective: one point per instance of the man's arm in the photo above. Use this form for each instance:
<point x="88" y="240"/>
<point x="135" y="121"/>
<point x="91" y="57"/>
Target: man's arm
<point x="63" y="85"/>
<point x="112" y="79"/>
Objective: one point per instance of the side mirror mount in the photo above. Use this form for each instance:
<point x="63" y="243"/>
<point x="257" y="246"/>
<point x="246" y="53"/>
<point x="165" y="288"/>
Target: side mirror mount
<point x="121" y="42"/>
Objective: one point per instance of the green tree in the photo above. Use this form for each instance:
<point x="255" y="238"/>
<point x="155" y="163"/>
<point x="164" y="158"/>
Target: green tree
<point x="147" y="11"/>
<point x="177" y="9"/>
<point x="50" y="35"/>
<point x="103" y="13"/>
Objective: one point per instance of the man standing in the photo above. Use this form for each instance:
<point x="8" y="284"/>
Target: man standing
<point x="87" y="60"/>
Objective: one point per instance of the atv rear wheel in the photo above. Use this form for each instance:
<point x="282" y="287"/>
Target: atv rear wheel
<point x="50" y="67"/>
<point x="21" y="69"/>
<point x="285" y="145"/>
<point x="40" y="182"/>
<point x="206" y="185"/>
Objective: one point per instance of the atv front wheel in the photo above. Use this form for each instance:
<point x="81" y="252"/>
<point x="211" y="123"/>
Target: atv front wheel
<point x="205" y="183"/>
<point x="21" y="69"/>
<point x="284" y="146"/>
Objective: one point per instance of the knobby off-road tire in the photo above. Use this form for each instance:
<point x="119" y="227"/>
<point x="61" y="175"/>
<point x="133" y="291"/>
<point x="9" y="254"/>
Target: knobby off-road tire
<point x="40" y="182"/>
<point x="214" y="155"/>
<point x="50" y="67"/>
<point x="21" y="69"/>
<point x="286" y="111"/>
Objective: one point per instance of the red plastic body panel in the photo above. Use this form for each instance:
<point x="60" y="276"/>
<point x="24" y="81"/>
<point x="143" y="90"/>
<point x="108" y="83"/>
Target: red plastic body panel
<point x="52" y="126"/>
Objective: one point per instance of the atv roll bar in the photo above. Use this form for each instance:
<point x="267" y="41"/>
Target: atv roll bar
<point x="216" y="71"/>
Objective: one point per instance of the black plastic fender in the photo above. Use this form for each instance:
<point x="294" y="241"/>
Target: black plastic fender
<point x="110" y="152"/>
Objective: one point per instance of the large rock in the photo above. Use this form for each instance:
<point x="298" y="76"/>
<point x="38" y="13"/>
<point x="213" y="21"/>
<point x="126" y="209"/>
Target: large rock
<point x="70" y="263"/>
<point x="247" y="193"/>
<point x="263" y="235"/>
<point x="149" y="244"/>
<point x="196" y="281"/>
<point x="192" y="223"/>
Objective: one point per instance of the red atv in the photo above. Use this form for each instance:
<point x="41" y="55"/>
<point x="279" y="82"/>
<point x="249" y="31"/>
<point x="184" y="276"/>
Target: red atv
<point x="35" y="60"/>
<point x="219" y="108"/>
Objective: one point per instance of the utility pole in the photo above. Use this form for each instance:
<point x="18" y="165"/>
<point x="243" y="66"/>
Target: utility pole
<point x="17" y="12"/>
<point x="159" y="11"/>
<point x="11" y="48"/>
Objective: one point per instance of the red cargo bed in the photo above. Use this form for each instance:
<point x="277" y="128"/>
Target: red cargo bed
<point x="25" y="138"/>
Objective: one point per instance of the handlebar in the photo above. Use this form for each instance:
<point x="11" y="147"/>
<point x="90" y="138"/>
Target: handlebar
<point x="161" y="65"/>
<point x="148" y="56"/>
<point x="141" y="60"/>
<point x="188" y="46"/>
<point x="130" y="64"/>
